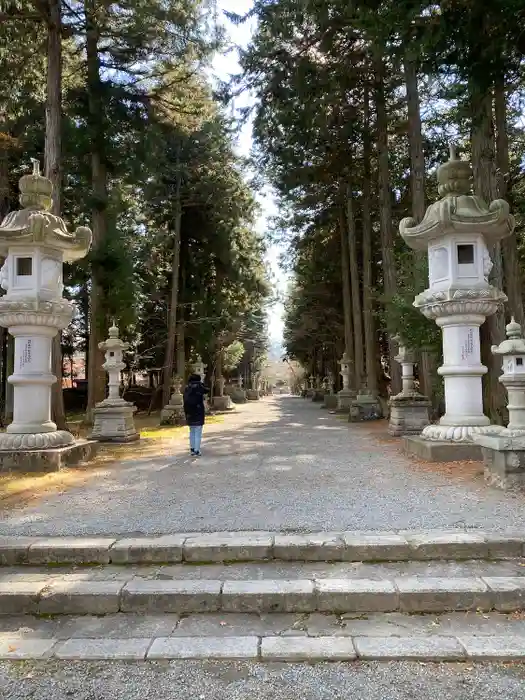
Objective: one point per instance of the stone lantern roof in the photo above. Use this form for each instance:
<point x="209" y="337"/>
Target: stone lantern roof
<point x="35" y="225"/>
<point x="515" y="343"/>
<point x="458" y="211"/>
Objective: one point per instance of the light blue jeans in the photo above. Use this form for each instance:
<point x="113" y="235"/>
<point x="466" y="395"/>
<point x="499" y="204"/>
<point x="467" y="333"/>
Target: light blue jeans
<point x="195" y="437"/>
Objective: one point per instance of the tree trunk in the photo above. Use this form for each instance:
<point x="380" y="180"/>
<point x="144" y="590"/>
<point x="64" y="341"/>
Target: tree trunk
<point x="99" y="186"/>
<point x="181" y="350"/>
<point x="53" y="171"/>
<point x="483" y="165"/>
<point x="385" y="211"/>
<point x="172" y="314"/>
<point x="509" y="246"/>
<point x="417" y="183"/>
<point x="347" y="298"/>
<point x="357" y="319"/>
<point x="371" y="350"/>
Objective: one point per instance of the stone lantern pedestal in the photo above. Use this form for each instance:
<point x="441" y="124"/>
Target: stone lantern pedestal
<point x="35" y="244"/>
<point x="504" y="453"/>
<point x="238" y="394"/>
<point x="222" y="402"/>
<point x="173" y="412"/>
<point x="409" y="410"/>
<point x="346" y="395"/>
<point x="456" y="231"/>
<point x="364" y="407"/>
<point x="113" y="417"/>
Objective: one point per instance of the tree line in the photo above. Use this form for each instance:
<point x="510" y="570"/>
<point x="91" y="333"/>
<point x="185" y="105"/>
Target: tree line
<point x="356" y="103"/>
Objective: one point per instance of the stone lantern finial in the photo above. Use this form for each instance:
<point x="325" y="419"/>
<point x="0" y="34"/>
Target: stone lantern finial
<point x="35" y="189"/>
<point x="513" y="329"/>
<point x="454" y="176"/>
<point x="113" y="331"/>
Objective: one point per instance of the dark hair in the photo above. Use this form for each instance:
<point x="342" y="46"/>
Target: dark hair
<point x="194" y="378"/>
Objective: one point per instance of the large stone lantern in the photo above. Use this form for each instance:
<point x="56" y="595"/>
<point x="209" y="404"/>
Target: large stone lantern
<point x="456" y="231"/>
<point x="35" y="244"/>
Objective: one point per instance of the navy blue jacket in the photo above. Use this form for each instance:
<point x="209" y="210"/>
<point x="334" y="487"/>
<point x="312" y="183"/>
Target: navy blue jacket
<point x="194" y="406"/>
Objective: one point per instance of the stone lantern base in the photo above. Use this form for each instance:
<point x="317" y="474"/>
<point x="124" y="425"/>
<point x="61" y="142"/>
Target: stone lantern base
<point x="113" y="421"/>
<point x="441" y="450"/>
<point x="222" y="403"/>
<point x="365" y="407"/>
<point x="48" y="460"/>
<point x="238" y="395"/>
<point x="330" y="402"/>
<point x="504" y="458"/>
<point x="252" y="394"/>
<point x="173" y="412"/>
<point x="409" y="414"/>
<point x="344" y="400"/>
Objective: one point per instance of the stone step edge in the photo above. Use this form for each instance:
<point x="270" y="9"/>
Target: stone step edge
<point x="69" y="596"/>
<point x="288" y="649"/>
<point x="231" y="547"/>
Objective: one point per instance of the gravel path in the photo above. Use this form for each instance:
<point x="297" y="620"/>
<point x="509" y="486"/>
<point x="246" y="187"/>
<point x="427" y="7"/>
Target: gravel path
<point x="280" y="464"/>
<point x="241" y="681"/>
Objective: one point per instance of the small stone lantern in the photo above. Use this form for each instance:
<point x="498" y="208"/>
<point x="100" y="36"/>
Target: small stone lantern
<point x="113" y="417"/>
<point x="173" y="412"/>
<point x="409" y="410"/>
<point x="200" y="368"/>
<point x="455" y="232"/>
<point x="504" y="453"/>
<point x="35" y="244"/>
<point x="238" y="394"/>
<point x="346" y="395"/>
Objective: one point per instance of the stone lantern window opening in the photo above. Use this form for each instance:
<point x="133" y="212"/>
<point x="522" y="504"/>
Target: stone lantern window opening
<point x="465" y="253"/>
<point x="24" y="267"/>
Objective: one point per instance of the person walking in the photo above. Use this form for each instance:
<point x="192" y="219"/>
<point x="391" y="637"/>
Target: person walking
<point x="194" y="394"/>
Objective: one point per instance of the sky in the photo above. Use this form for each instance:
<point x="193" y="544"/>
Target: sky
<point x="225" y="65"/>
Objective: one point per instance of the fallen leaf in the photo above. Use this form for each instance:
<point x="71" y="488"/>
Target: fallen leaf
<point x="11" y="649"/>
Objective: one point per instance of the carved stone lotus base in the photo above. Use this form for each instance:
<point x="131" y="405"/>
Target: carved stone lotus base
<point x="35" y="441"/>
<point x="457" y="433"/>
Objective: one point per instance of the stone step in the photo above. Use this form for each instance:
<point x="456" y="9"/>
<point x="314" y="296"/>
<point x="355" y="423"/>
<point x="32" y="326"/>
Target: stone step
<point x="200" y="548"/>
<point x="78" y="593"/>
<point x="274" y="637"/>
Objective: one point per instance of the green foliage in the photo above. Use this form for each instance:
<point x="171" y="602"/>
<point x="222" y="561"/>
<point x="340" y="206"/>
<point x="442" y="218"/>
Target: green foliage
<point x="232" y="355"/>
